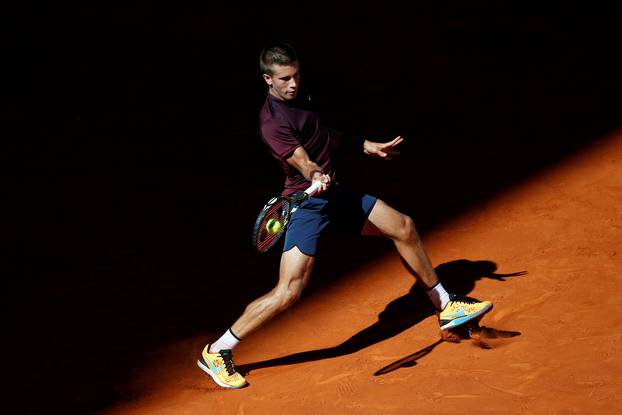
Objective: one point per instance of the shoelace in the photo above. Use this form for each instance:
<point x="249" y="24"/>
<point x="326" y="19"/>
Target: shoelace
<point x="227" y="358"/>
<point x="462" y="299"/>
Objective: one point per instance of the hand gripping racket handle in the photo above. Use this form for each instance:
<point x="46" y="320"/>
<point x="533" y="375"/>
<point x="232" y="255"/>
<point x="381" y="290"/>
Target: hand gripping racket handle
<point x="313" y="188"/>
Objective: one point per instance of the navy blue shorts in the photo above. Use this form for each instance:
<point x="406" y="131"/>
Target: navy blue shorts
<point x="339" y="208"/>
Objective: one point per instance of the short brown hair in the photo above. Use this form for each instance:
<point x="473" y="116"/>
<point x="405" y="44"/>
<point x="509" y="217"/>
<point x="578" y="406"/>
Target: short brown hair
<point x="279" y="53"/>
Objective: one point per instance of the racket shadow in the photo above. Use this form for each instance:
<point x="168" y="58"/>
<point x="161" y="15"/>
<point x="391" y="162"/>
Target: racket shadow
<point x="399" y="315"/>
<point x="476" y="334"/>
<point x="408" y="361"/>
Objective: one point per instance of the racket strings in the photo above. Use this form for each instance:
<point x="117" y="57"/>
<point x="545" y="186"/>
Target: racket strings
<point x="266" y="239"/>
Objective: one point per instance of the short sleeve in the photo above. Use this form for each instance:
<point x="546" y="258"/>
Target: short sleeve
<point x="280" y="138"/>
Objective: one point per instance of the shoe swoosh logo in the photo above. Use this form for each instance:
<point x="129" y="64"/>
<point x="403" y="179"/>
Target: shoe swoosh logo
<point x="214" y="369"/>
<point x="458" y="313"/>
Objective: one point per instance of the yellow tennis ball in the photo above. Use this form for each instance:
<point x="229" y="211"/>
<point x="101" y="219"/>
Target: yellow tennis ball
<point x="273" y="226"/>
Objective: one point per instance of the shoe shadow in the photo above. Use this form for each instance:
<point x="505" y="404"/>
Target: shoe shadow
<point x="400" y="314"/>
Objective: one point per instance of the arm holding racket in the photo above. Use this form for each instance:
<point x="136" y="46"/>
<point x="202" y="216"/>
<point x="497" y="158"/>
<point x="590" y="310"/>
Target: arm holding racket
<point x="309" y="169"/>
<point x="273" y="219"/>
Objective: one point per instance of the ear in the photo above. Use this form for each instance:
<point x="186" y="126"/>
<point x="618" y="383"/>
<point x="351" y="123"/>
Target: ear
<point x="268" y="79"/>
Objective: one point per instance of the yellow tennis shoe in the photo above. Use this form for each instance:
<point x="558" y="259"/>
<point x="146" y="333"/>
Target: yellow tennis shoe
<point x="221" y="368"/>
<point x="461" y="309"/>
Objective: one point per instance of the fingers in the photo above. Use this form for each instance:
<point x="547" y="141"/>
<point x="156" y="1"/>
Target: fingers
<point x="396" y="141"/>
<point x="393" y="143"/>
<point x="325" y="182"/>
<point x="324" y="179"/>
<point x="380" y="152"/>
<point x="387" y="149"/>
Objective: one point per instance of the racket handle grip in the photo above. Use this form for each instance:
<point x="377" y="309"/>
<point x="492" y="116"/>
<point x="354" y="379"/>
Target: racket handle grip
<point x="313" y="188"/>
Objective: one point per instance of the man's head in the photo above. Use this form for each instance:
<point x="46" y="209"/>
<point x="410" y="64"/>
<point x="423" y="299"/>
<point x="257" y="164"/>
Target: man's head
<point x="280" y="69"/>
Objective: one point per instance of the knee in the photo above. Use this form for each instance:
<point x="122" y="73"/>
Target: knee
<point x="407" y="230"/>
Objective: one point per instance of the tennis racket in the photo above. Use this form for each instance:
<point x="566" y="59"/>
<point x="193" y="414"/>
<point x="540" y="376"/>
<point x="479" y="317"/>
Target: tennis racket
<point x="272" y="221"/>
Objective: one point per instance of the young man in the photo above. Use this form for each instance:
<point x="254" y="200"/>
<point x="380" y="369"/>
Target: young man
<point x="304" y="148"/>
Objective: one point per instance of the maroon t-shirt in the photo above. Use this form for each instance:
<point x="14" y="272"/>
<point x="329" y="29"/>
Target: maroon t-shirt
<point x="284" y="126"/>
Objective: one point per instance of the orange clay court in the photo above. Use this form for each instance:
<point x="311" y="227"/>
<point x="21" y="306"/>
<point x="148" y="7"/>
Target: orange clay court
<point x="547" y="252"/>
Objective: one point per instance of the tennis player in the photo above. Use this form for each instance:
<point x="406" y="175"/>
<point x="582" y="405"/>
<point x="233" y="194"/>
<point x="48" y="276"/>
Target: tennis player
<point x="304" y="148"/>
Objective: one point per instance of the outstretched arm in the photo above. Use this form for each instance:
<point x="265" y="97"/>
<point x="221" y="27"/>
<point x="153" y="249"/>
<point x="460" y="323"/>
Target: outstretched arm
<point x="309" y="169"/>
<point x="382" y="150"/>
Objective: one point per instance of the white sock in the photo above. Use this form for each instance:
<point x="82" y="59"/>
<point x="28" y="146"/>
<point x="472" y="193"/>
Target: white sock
<point x="438" y="296"/>
<point x="226" y="341"/>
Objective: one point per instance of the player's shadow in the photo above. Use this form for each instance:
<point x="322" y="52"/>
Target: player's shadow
<point x="401" y="314"/>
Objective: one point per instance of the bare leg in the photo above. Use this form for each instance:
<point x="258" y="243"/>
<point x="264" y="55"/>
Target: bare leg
<point x="294" y="274"/>
<point x="386" y="221"/>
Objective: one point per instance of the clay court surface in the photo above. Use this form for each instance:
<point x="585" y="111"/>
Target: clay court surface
<point x="547" y="252"/>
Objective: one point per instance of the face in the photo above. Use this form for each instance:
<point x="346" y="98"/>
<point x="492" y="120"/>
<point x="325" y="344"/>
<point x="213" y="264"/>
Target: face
<point x="283" y="82"/>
